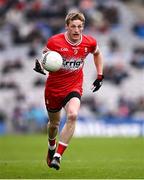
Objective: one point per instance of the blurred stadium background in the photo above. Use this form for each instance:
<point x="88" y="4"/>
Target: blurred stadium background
<point x="117" y="109"/>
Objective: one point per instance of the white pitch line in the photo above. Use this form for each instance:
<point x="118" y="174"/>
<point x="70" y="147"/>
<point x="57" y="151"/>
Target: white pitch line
<point x="37" y="161"/>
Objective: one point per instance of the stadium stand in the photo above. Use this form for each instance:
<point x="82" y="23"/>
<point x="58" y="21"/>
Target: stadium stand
<point x="25" y="27"/>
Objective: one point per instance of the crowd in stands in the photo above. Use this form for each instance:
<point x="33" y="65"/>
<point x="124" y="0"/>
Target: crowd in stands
<point x="25" y="26"/>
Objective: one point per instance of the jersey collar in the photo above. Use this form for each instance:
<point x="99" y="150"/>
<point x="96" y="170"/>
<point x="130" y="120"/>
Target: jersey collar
<point x="70" y="42"/>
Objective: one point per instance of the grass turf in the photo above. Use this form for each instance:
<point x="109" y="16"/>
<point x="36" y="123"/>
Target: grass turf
<point x="86" y="158"/>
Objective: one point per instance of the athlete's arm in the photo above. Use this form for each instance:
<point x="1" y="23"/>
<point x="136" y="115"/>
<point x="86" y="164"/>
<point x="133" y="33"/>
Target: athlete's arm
<point x="98" y="61"/>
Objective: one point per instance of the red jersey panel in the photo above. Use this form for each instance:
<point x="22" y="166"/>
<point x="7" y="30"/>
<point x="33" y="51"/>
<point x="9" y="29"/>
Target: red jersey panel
<point x="70" y="77"/>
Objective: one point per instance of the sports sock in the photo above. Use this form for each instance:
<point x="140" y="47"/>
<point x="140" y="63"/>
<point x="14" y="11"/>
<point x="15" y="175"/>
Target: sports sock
<point x="60" y="149"/>
<point x="52" y="143"/>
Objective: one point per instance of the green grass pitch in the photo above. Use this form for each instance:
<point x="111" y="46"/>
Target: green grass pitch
<point x="86" y="158"/>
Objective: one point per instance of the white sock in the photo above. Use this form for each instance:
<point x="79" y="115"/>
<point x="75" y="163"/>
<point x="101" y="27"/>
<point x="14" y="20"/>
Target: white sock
<point x="57" y="155"/>
<point x="52" y="147"/>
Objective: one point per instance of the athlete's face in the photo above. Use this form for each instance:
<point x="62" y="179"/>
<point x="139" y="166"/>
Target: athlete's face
<point x="74" y="30"/>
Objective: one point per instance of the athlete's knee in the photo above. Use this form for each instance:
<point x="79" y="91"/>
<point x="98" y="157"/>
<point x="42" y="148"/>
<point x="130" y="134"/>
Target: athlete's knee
<point x="53" y="125"/>
<point x="72" y="115"/>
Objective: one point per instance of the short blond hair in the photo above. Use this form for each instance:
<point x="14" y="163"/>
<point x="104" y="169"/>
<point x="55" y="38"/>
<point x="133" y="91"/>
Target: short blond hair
<point x="74" y="16"/>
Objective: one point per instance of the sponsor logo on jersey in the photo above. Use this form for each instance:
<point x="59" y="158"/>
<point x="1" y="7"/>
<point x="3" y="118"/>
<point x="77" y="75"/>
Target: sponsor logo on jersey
<point x="72" y="64"/>
<point x="64" y="49"/>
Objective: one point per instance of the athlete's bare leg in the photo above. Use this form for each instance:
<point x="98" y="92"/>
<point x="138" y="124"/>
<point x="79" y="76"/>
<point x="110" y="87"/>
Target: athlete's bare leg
<point x="72" y="108"/>
<point x="53" y="124"/>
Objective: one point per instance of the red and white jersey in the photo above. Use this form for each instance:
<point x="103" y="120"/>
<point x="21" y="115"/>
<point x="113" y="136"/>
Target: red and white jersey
<point x="70" y="76"/>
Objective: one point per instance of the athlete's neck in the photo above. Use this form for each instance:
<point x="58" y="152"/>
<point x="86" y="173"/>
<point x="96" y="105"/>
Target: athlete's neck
<point x="68" y="39"/>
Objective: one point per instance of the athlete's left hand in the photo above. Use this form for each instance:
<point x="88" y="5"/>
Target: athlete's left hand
<point x="97" y="83"/>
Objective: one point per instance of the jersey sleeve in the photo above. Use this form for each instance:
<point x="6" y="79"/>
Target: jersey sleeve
<point x="50" y="44"/>
<point x="94" y="46"/>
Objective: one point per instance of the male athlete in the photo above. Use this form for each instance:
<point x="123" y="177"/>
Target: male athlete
<point x="64" y="88"/>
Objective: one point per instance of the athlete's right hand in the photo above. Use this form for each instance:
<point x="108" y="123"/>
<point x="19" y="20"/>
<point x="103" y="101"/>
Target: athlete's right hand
<point x="38" y="67"/>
